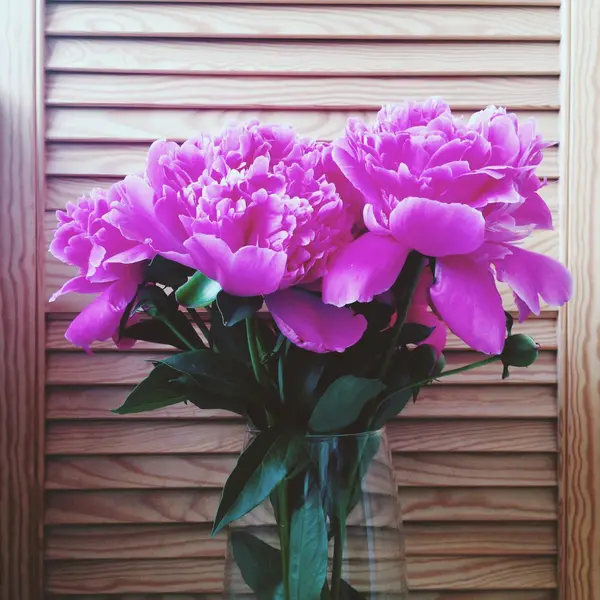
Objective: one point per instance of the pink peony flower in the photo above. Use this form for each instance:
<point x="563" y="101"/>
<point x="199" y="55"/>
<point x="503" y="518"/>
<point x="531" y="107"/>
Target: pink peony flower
<point x="253" y="210"/>
<point x="463" y="193"/>
<point x="108" y="264"/>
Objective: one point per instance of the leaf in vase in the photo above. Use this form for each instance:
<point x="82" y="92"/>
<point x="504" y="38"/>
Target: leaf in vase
<point x="198" y="291"/>
<point x="308" y="550"/>
<point x="259" y="565"/>
<point x="229" y="341"/>
<point x="390" y="406"/>
<point x="259" y="470"/>
<point x="234" y="309"/>
<point x="343" y="402"/>
<point x="156" y="391"/>
<point x="347" y="592"/>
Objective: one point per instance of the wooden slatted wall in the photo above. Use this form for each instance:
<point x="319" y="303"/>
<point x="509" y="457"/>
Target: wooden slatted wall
<point x="129" y="499"/>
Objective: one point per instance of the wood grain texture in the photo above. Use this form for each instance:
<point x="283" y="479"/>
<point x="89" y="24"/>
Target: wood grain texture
<point x="127" y="368"/>
<point x="199" y="506"/>
<point x="205" y="575"/>
<point x="301" y="58"/>
<point x="205" y="91"/>
<point x="360" y="2"/>
<point x="83" y="403"/>
<point x="185" y="437"/>
<point x="412" y="469"/>
<point x="21" y="304"/>
<point x="543" y="331"/>
<point x="68" y="159"/>
<point x="127" y="125"/>
<point x="580" y="385"/>
<point x="296" y="22"/>
<point x="185" y="540"/>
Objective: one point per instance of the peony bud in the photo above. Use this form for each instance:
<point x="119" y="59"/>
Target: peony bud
<point x="519" y="351"/>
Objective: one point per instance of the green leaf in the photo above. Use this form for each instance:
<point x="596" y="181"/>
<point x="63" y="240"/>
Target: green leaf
<point x="347" y="592"/>
<point x="509" y="322"/>
<point x="308" y="550"/>
<point x="214" y="372"/>
<point x="414" y="333"/>
<point x="342" y="403"/>
<point x="259" y="565"/>
<point x="391" y="406"/>
<point x="234" y="309"/>
<point x="156" y="391"/>
<point x="198" y="291"/>
<point x="167" y="272"/>
<point x="203" y="399"/>
<point x="259" y="470"/>
<point x="229" y="341"/>
<point x="151" y="330"/>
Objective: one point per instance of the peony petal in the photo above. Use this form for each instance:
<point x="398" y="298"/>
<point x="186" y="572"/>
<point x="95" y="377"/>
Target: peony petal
<point x="251" y="271"/>
<point x="420" y="313"/>
<point x="534" y="211"/>
<point x="309" y="323"/>
<point x="79" y="285"/>
<point x="466" y="298"/>
<point x="132" y="255"/>
<point x="364" y="268"/>
<point x="435" y="228"/>
<point x="154" y="170"/>
<point x="100" y="319"/>
<point x="531" y="275"/>
<point x="354" y="170"/>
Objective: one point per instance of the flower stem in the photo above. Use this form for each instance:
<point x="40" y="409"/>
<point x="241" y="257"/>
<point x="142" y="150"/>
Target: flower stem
<point x="284" y="537"/>
<point x="339" y="541"/>
<point x="178" y="334"/>
<point x="405" y="286"/>
<point x="253" y="349"/>
<point x="199" y="322"/>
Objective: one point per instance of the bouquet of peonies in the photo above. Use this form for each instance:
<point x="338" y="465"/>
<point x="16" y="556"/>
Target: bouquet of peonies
<point x="364" y="252"/>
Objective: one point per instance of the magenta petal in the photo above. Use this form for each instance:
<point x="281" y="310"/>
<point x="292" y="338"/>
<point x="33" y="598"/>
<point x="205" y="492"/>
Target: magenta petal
<point x="354" y="170"/>
<point x="309" y="323"/>
<point x="79" y="285"/>
<point x="366" y="267"/>
<point x="437" y="229"/>
<point x="466" y="298"/>
<point x="530" y="275"/>
<point x="100" y="319"/>
<point x="251" y="271"/>
<point x="154" y="170"/>
<point x="534" y="211"/>
<point x="132" y="255"/>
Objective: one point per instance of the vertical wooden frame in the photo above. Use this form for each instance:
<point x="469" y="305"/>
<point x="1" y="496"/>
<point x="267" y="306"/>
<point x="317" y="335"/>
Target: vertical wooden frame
<point x="21" y="300"/>
<point x="580" y="377"/>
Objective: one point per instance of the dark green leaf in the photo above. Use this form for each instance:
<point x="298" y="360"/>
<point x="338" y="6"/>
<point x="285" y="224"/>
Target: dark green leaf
<point x="229" y="341"/>
<point x="347" y="592"/>
<point x="440" y="366"/>
<point x="259" y="565"/>
<point x="203" y="399"/>
<point x="198" y="291"/>
<point x="167" y="272"/>
<point x="509" y="322"/>
<point x="422" y="362"/>
<point x="151" y="330"/>
<point x="308" y="550"/>
<point x="343" y="402"/>
<point x="215" y="372"/>
<point x="414" y="333"/>
<point x="259" y="470"/>
<point x="325" y="593"/>
<point x="391" y="406"/>
<point x="234" y="309"/>
<point x="156" y="391"/>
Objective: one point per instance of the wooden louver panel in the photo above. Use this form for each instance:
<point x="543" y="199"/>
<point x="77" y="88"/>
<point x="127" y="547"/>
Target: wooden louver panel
<point x="129" y="499"/>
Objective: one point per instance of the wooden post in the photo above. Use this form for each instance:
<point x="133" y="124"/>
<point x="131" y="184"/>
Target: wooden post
<point x="21" y="309"/>
<point x="580" y="381"/>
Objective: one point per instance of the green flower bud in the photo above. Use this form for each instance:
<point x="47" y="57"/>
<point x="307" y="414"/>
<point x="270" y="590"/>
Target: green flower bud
<point x="519" y="351"/>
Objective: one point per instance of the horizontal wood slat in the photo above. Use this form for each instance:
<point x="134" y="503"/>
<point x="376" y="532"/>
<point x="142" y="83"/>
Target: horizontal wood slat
<point x="205" y="575"/>
<point x="296" y="22"/>
<point x="199" y="506"/>
<point x="183" y="540"/>
<point x="125" y="368"/>
<point x="412" y="469"/>
<point x="543" y="331"/>
<point x="205" y="91"/>
<point x="441" y="402"/>
<point x="301" y="58"/>
<point x="147" y="124"/>
<point x="184" y="437"/>
<point x="349" y="2"/>
<point x="68" y="159"/>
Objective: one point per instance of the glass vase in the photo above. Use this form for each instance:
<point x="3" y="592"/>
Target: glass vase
<point x="330" y="531"/>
